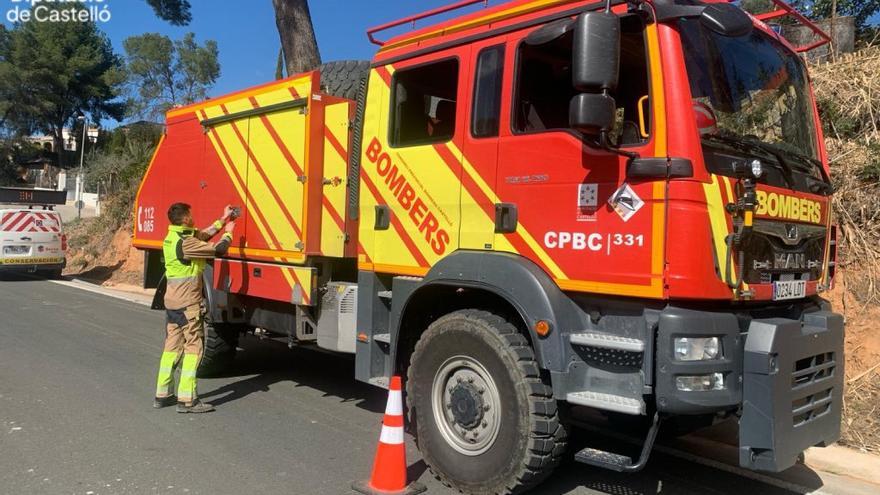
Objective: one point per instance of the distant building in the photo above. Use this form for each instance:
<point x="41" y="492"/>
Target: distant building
<point x="71" y="141"/>
<point x="46" y="171"/>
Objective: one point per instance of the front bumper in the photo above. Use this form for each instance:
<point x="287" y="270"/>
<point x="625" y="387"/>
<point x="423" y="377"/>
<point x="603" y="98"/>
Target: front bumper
<point x="30" y="268"/>
<point x="792" y="389"/>
<point x="783" y="373"/>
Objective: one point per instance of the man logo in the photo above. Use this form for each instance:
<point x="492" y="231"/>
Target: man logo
<point x="791" y="231"/>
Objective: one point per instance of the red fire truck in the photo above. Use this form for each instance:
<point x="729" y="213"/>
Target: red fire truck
<point x="535" y="206"/>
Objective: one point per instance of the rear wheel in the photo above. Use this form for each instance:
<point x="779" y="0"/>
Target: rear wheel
<point x="484" y="418"/>
<point x="221" y="341"/>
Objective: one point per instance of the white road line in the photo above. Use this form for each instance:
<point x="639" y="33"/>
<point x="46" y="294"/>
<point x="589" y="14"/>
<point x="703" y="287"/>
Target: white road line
<point x="78" y="284"/>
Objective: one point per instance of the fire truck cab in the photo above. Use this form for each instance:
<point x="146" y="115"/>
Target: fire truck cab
<point x="540" y="205"/>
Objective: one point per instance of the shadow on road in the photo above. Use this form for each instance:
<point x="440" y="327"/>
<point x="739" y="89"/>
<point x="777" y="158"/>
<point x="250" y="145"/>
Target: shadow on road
<point x="265" y="363"/>
<point x="99" y="274"/>
<point x="667" y="473"/>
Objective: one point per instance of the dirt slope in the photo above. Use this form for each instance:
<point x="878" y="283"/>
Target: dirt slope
<point x="104" y="258"/>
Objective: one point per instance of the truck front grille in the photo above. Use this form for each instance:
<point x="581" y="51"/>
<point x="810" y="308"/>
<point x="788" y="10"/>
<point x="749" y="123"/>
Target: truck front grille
<point x="810" y="374"/>
<point x="777" y="251"/>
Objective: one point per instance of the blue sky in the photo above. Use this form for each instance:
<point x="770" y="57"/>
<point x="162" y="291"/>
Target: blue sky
<point x="246" y="33"/>
<point x="248" y="39"/>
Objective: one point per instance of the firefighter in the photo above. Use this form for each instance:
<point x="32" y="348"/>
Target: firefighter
<point x="186" y="251"/>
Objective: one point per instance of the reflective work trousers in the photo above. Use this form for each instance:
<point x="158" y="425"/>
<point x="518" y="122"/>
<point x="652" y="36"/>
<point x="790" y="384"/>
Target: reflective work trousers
<point x="185" y="337"/>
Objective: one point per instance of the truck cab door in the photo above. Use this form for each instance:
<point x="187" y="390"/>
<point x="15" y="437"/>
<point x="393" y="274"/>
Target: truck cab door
<point x="481" y="140"/>
<point x="579" y="218"/>
<point x="411" y="164"/>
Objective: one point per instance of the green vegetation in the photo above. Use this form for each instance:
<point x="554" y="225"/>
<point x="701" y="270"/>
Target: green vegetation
<point x="52" y="72"/>
<point x="177" y="12"/>
<point x="13" y="152"/>
<point x="860" y="10"/>
<point x="163" y="73"/>
<point x="116" y="169"/>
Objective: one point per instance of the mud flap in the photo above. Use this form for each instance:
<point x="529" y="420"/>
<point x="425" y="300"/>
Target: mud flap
<point x="792" y="389"/>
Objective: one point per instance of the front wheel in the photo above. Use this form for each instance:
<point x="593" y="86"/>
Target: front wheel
<point x="484" y="418"/>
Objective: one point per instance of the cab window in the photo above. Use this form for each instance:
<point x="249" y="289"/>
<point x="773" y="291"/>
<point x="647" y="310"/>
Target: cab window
<point x="424" y="104"/>
<point x="543" y="86"/>
<point x="486" y="118"/>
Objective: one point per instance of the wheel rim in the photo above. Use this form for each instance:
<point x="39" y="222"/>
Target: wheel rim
<point x="467" y="405"/>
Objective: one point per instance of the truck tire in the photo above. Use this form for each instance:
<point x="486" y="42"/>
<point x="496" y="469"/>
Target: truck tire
<point x="343" y="78"/>
<point x="221" y="341"/>
<point x="485" y="420"/>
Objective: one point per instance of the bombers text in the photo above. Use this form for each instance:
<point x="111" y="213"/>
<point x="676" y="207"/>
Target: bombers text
<point x="407" y="197"/>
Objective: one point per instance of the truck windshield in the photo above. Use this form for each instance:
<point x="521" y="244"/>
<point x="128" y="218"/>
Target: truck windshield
<point x="752" y="91"/>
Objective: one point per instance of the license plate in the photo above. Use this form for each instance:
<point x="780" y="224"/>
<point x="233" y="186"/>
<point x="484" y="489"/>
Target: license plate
<point x="16" y="250"/>
<point x="791" y="289"/>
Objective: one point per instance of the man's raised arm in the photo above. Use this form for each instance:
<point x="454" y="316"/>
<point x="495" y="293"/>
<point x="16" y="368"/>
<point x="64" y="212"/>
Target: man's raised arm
<point x="195" y="248"/>
<point x="208" y="233"/>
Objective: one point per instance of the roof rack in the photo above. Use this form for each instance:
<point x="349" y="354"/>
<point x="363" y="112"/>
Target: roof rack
<point x="25" y="196"/>
<point x="785" y="10"/>
<point x="418" y="17"/>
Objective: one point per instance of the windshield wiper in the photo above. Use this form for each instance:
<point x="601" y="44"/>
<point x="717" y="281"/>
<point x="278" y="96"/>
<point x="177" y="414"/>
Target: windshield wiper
<point x="794" y="159"/>
<point x="805" y="163"/>
<point x="752" y="146"/>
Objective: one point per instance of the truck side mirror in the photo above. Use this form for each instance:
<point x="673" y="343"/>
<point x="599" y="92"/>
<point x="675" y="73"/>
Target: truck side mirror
<point x="595" y="71"/>
<point x="592" y="113"/>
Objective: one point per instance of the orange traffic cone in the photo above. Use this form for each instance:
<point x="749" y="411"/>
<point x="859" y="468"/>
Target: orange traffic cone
<point x="389" y="467"/>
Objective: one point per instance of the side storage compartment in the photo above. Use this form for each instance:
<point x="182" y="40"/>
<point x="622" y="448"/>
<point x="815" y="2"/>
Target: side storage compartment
<point x="289" y="284"/>
<point x="279" y="151"/>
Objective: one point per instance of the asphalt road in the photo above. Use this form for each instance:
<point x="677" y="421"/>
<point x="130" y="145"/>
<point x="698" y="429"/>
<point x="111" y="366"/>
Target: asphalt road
<point x="76" y="383"/>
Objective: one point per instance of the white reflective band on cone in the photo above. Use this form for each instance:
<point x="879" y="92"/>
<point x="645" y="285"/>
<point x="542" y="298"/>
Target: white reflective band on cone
<point x="391" y="435"/>
<point x="395" y="404"/>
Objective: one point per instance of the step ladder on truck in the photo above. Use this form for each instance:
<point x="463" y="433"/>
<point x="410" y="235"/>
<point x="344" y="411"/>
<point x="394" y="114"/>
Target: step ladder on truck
<point x="534" y="208"/>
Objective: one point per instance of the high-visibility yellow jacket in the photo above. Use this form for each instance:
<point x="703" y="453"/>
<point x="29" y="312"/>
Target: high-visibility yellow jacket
<point x="186" y="253"/>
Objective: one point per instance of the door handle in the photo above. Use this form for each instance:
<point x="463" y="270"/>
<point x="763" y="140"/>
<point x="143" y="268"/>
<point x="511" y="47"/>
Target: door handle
<point x="383" y="217"/>
<point x="26" y="239"/>
<point x="506" y="218"/>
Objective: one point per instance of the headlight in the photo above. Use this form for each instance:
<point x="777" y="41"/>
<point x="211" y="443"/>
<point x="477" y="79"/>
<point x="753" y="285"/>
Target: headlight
<point x="697" y="348"/>
<point x="700" y="383"/>
<point x="757" y="168"/>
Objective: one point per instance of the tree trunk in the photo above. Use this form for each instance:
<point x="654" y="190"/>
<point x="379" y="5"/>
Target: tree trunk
<point x="297" y="35"/>
<point x="58" y="144"/>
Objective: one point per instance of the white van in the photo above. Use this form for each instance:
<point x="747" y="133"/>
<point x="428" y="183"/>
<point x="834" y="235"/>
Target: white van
<point x="32" y="238"/>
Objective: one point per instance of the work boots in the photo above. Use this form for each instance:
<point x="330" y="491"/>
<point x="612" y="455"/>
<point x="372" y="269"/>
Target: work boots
<point x="160" y="402"/>
<point x="196" y="407"/>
